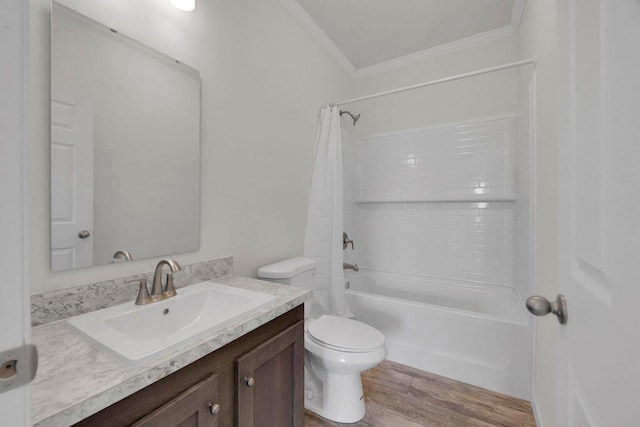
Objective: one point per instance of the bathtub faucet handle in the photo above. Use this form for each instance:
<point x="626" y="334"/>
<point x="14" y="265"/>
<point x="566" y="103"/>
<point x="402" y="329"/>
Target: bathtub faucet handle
<point x="347" y="266"/>
<point x="346" y="241"/>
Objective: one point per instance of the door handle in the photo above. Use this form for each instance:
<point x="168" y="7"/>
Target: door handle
<point x="540" y="306"/>
<point x="84" y="234"/>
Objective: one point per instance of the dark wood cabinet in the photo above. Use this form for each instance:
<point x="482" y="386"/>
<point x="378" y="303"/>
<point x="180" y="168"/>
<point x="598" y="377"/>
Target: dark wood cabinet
<point x="196" y="407"/>
<point x="272" y="356"/>
<point x="270" y="383"/>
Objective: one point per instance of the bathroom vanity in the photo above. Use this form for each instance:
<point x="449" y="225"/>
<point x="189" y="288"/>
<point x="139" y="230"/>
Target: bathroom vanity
<point x="256" y="379"/>
<point x="248" y="373"/>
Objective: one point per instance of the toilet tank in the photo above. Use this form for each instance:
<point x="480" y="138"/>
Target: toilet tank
<point x="293" y="271"/>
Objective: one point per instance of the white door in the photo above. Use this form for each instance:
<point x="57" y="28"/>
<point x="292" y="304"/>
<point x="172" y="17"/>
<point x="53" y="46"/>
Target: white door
<point x="599" y="357"/>
<point x="71" y="182"/>
<point x="14" y="313"/>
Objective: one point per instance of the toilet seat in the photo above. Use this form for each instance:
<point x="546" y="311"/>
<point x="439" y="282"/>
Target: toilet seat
<point x="339" y="333"/>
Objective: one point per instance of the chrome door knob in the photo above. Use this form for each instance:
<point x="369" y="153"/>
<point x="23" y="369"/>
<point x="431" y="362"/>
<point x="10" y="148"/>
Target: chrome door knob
<point x="84" y="234"/>
<point x="249" y="381"/>
<point x="540" y="306"/>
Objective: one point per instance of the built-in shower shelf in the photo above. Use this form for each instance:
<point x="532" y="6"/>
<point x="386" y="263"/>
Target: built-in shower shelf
<point x="457" y="199"/>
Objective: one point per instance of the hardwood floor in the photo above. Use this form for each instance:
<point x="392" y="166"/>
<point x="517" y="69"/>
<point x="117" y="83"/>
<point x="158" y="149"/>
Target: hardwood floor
<point x="400" y="396"/>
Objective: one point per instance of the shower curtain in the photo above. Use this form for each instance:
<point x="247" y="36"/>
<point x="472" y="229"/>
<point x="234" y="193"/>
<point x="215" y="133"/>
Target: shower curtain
<point x="323" y="238"/>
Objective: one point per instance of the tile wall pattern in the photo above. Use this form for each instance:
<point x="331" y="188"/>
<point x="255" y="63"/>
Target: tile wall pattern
<point x="462" y="160"/>
<point x="461" y="240"/>
<point x="470" y="241"/>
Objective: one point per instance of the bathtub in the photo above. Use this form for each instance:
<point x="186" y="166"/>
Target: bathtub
<point x="472" y="332"/>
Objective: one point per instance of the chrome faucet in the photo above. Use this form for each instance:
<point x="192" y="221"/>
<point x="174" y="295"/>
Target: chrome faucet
<point x="122" y="254"/>
<point x="158" y="291"/>
<point x="347" y="266"/>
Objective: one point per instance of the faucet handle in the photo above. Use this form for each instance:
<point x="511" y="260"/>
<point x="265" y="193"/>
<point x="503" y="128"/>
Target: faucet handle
<point x="346" y="241"/>
<point x="143" y="293"/>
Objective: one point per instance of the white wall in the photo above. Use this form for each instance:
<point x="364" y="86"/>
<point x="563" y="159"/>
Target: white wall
<point x="263" y="81"/>
<point x="489" y="95"/>
<point x="538" y="37"/>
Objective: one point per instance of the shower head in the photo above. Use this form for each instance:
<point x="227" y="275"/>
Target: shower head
<point x="354" y="117"/>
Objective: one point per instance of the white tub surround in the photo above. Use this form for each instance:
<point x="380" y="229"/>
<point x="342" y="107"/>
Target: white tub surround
<point x="476" y="333"/>
<point x="438" y="201"/>
<point x="75" y="379"/>
<point x="440" y="220"/>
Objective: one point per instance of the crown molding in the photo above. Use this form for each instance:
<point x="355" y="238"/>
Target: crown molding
<point x="310" y="25"/>
<point x="434" y="52"/>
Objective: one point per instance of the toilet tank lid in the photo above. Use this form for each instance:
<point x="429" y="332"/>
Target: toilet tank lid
<point x="286" y="269"/>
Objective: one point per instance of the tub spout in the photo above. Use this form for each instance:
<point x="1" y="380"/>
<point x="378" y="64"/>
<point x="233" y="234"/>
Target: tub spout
<point x="347" y="266"/>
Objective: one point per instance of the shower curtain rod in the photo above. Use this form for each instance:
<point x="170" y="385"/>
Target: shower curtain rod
<point x="532" y="61"/>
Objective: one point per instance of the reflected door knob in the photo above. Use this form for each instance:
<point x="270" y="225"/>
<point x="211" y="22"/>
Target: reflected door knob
<point x="84" y="234"/>
<point x="540" y="306"/>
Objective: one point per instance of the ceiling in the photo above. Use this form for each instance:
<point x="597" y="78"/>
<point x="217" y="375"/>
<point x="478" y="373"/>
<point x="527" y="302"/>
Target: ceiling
<point x="364" y="34"/>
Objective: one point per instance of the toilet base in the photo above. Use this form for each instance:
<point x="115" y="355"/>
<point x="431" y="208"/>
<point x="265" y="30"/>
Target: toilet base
<point x="338" y="397"/>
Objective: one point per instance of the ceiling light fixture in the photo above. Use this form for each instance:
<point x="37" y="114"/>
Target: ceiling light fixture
<point x="185" y="5"/>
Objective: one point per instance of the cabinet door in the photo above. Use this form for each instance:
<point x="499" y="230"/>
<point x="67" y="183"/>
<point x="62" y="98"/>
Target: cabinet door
<point x="193" y="408"/>
<point x="270" y="381"/>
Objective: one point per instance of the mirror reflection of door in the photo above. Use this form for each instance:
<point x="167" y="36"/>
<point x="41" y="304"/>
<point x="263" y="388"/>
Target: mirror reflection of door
<point x="126" y="145"/>
<point x="71" y="182"/>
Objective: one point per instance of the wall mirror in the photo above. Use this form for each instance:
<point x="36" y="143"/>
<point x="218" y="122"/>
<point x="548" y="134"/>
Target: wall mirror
<point x="125" y="147"/>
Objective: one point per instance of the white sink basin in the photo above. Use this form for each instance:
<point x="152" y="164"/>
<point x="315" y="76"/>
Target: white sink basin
<point x="139" y="333"/>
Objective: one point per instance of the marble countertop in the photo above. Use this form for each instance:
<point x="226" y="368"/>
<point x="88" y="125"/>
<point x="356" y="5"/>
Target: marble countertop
<point x="75" y="379"/>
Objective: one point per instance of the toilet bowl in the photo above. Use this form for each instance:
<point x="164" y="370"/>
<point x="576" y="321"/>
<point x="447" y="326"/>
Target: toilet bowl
<point x="337" y="350"/>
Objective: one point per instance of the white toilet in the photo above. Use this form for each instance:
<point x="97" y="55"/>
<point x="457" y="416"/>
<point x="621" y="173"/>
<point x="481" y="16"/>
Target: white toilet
<point x="337" y="350"/>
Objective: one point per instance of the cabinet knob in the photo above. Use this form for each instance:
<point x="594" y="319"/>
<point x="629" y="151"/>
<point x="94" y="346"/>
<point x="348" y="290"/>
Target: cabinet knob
<point x="214" y="408"/>
<point x="249" y="381"/>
